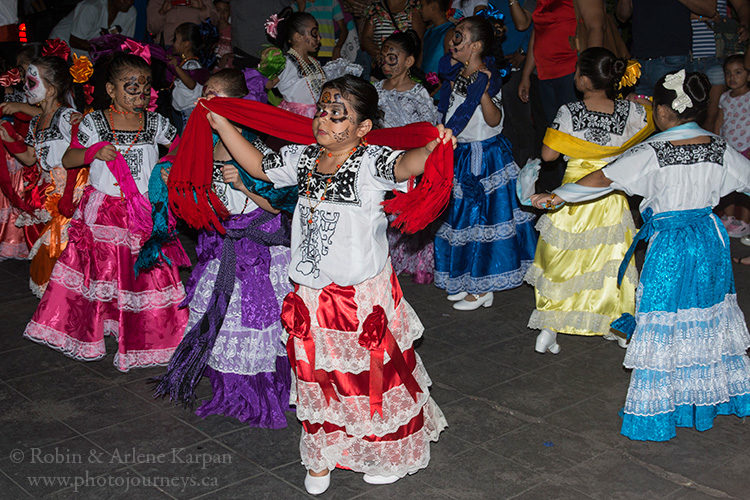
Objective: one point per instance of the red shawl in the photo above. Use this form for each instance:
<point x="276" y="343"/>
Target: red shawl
<point x="192" y="199"/>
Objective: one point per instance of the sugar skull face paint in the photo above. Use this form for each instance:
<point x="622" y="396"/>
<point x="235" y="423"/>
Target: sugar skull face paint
<point x="393" y="60"/>
<point x="131" y="91"/>
<point x="34" y="86"/>
<point x="334" y="120"/>
<point x="460" y="44"/>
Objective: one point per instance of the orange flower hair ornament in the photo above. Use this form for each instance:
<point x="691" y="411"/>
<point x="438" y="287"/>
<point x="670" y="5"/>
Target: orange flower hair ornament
<point x="82" y="69"/>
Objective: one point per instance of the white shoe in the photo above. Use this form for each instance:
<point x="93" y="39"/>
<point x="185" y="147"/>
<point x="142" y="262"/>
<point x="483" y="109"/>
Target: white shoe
<point x="370" y="479"/>
<point x="547" y="341"/>
<point x="317" y="485"/>
<point x="745" y="240"/>
<point x="621" y="341"/>
<point x="457" y="296"/>
<point x="470" y="305"/>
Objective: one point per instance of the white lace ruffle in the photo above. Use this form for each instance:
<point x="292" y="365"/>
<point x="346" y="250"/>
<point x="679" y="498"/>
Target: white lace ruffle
<point x="665" y="341"/>
<point x="340" y="67"/>
<point x="653" y="393"/>
<point x="383" y="458"/>
<point x="91" y="211"/>
<point x="77" y="349"/>
<point x="592" y="280"/>
<point x="484" y="233"/>
<point x="13" y="251"/>
<point x="607" y="235"/>
<point x="40" y="216"/>
<point x="500" y="178"/>
<point x="36" y="289"/>
<point x="142" y="359"/>
<point x="108" y="291"/>
<point x="565" y="321"/>
<point x="493" y="283"/>
<point x="116" y="236"/>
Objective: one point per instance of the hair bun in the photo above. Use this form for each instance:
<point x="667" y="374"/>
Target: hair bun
<point x="619" y="66"/>
<point x="697" y="87"/>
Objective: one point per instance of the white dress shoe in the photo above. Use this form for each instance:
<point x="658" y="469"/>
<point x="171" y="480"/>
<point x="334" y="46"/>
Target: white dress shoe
<point x="370" y="479"/>
<point x="317" y="485"/>
<point x="547" y="341"/>
<point x="621" y="341"/>
<point x="457" y="296"/>
<point x="470" y="305"/>
<point x="745" y="240"/>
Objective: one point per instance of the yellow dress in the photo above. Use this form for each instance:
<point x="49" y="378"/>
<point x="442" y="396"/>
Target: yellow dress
<point x="580" y="249"/>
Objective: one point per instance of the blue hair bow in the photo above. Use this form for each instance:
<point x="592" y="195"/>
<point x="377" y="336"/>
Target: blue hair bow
<point x="490" y="12"/>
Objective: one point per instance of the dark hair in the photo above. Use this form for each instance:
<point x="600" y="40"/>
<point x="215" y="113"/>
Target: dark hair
<point x="603" y="68"/>
<point x="361" y="95"/>
<point x="408" y="41"/>
<point x="443" y="4"/>
<point x="232" y="81"/>
<point x="56" y="73"/>
<point x="735" y="58"/>
<point x="122" y="61"/>
<point x="29" y="51"/>
<point x="696" y="86"/>
<point x="485" y="31"/>
<point x="192" y="33"/>
<point x="289" y="24"/>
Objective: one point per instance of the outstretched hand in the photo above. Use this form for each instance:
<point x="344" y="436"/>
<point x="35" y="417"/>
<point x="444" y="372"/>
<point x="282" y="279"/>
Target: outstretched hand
<point x="445" y="135"/>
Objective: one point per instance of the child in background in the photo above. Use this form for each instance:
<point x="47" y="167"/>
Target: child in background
<point x="93" y="290"/>
<point x="438" y="34"/>
<point x="188" y="43"/>
<point x="404" y="101"/>
<point x="345" y="292"/>
<point x="486" y="242"/>
<point x="733" y="124"/>
<point x="224" y="46"/>
<point x="330" y="18"/>
<point x="580" y="246"/>
<point x="248" y="365"/>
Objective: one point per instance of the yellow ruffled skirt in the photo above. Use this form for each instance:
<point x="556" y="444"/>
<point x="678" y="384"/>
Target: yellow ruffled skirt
<point x="575" y="267"/>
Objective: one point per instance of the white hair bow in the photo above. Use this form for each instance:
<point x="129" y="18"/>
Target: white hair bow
<point x="675" y="82"/>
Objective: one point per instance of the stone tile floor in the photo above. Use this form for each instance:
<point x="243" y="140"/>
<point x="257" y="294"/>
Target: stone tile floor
<point x="522" y="425"/>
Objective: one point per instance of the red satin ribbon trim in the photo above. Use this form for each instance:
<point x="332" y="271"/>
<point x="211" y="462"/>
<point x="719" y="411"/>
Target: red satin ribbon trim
<point x="377" y="338"/>
<point x="295" y="317"/>
<point x="395" y="289"/>
<point x="337" y="309"/>
<point x="406" y="430"/>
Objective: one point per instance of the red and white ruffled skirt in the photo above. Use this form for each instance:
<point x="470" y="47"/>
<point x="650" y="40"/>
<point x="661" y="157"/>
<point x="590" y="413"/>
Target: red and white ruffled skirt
<point x="93" y="292"/>
<point x="364" y="401"/>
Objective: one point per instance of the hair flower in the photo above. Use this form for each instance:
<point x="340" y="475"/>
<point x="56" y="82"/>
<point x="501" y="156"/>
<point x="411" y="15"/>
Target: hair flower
<point x="632" y="74"/>
<point x="10" y="77"/>
<point x="272" y="25"/>
<point x="432" y="78"/>
<point x="82" y="69"/>
<point x="56" y="47"/>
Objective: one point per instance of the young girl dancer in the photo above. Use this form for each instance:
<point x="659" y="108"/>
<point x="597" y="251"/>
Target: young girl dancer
<point x="48" y="139"/>
<point x="248" y="365"/>
<point x="404" y="101"/>
<point x="93" y="290"/>
<point x="486" y="242"/>
<point x="296" y="33"/>
<point x="347" y="303"/>
<point x="581" y="245"/>
<point x="688" y="348"/>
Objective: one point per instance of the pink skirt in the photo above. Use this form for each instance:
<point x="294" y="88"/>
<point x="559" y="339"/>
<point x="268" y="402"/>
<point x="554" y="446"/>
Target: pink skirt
<point x="93" y="292"/>
<point x="12" y="240"/>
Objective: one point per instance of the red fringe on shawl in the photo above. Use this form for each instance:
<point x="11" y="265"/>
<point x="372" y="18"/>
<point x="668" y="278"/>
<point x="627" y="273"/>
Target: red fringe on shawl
<point x="192" y="199"/>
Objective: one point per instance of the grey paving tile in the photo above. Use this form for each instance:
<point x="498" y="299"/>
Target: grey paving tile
<point x="11" y="489"/>
<point x="13" y="318"/>
<point x="477" y="421"/>
<point x="60" y="384"/>
<point x="270" y="448"/>
<point x="548" y="490"/>
<point x="434" y="351"/>
<point x="535" y="395"/>
<point x="120" y="484"/>
<point x="31" y="359"/>
<point x="408" y="487"/>
<point x="98" y="410"/>
<point x="345" y="484"/>
<point x="154" y="433"/>
<point x="263" y="487"/>
<point x="478" y="474"/>
<point x="201" y="468"/>
<point x="594" y="419"/>
<point x="470" y="374"/>
<point x="545" y="448"/>
<point x="54" y="467"/>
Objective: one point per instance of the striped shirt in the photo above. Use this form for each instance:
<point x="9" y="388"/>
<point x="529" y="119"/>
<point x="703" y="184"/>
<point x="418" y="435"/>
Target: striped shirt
<point x="704" y="43"/>
<point x="383" y="25"/>
<point x="326" y="12"/>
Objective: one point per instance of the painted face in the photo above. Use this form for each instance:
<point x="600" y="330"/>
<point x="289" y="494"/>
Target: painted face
<point x="393" y="60"/>
<point x="735" y="75"/>
<point x="308" y="40"/>
<point x="131" y="91"/>
<point x="460" y="44"/>
<point x="34" y="85"/>
<point x="334" y="121"/>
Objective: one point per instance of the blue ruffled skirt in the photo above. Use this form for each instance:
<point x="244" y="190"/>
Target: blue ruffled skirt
<point x="487" y="241"/>
<point x="688" y="350"/>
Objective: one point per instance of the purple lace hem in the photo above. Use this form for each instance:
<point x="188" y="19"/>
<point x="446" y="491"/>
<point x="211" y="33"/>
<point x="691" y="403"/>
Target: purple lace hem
<point x="257" y="400"/>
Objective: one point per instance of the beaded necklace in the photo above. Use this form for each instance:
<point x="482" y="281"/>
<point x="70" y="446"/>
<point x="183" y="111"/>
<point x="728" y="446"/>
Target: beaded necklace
<point x="310" y="70"/>
<point x="329" y="180"/>
<point x="112" y="127"/>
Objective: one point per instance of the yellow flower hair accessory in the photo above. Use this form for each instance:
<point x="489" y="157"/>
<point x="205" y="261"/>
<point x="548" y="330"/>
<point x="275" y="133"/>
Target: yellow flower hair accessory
<point x="82" y="69"/>
<point x="632" y="74"/>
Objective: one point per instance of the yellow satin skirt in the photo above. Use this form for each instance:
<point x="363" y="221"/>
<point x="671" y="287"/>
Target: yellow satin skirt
<point x="577" y="258"/>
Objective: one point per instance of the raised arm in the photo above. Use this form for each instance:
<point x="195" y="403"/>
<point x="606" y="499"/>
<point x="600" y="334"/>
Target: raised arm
<point x="247" y="155"/>
<point x="521" y="17"/>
